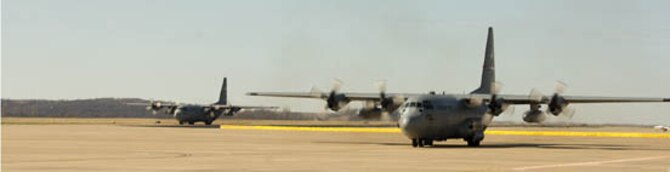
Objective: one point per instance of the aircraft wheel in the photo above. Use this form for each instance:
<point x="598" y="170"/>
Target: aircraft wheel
<point x="191" y="123"/>
<point x="208" y="122"/>
<point x="421" y="142"/>
<point x="428" y="142"/>
<point x="473" y="143"/>
<point x="415" y="142"/>
<point x="181" y="122"/>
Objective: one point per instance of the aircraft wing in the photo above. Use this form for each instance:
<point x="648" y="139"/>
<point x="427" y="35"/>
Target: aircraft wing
<point x="154" y="104"/>
<point x="288" y="94"/>
<point x="511" y="99"/>
<point x="525" y="99"/>
<point x="243" y="107"/>
<point x="324" y="95"/>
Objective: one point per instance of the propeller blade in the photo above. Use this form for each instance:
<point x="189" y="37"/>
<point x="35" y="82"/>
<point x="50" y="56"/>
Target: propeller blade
<point x="381" y="86"/>
<point x="314" y="91"/>
<point x="475" y="101"/>
<point x="568" y="112"/>
<point x="510" y="110"/>
<point x="535" y="95"/>
<point x="560" y="87"/>
<point x="342" y="104"/>
<point x="496" y="87"/>
<point x="398" y="99"/>
<point x="337" y="84"/>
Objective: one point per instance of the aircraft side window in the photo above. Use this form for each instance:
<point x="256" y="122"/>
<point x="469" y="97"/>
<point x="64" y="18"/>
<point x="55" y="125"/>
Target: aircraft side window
<point x="428" y="106"/>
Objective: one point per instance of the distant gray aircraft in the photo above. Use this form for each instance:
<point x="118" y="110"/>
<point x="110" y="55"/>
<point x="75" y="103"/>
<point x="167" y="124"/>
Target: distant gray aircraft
<point x="191" y="113"/>
<point x="425" y="118"/>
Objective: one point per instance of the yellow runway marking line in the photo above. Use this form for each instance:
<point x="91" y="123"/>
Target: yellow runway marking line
<point x="491" y="132"/>
<point x="322" y="129"/>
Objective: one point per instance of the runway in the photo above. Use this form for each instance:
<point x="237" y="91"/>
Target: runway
<point x="488" y="132"/>
<point x="140" y="148"/>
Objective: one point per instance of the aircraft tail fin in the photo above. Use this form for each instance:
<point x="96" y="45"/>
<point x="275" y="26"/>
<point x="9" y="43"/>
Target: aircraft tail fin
<point x="223" y="96"/>
<point x="488" y="72"/>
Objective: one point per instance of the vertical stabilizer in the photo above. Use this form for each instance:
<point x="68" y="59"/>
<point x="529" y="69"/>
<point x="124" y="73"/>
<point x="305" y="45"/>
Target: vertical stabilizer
<point x="488" y="72"/>
<point x="223" y="97"/>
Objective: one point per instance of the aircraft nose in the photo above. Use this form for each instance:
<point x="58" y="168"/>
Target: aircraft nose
<point x="177" y="112"/>
<point x="411" y="125"/>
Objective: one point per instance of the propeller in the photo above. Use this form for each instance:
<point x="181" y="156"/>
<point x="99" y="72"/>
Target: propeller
<point x="560" y="87"/>
<point x="558" y="105"/>
<point x="535" y="95"/>
<point x="388" y="104"/>
<point x="337" y="84"/>
<point x="474" y="101"/>
<point x="496" y="87"/>
<point x="383" y="100"/>
<point x="316" y="92"/>
<point x="497" y="105"/>
<point x="335" y="101"/>
<point x="381" y="85"/>
<point x="154" y="107"/>
<point x="510" y="110"/>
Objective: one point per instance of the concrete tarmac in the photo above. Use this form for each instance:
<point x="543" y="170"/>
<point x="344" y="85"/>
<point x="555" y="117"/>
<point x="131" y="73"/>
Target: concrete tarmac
<point x="141" y="148"/>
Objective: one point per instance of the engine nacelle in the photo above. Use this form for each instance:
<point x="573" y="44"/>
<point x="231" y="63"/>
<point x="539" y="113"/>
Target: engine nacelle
<point x="497" y="106"/>
<point x="534" y="116"/>
<point x="336" y="102"/>
<point x="232" y="111"/>
<point x="155" y="106"/>
<point x="370" y="113"/>
<point x="391" y="104"/>
<point x="556" y="105"/>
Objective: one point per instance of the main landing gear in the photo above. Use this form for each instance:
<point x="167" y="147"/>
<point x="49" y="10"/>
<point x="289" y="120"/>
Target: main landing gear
<point x="422" y="142"/>
<point x="189" y="122"/>
<point x="475" y="139"/>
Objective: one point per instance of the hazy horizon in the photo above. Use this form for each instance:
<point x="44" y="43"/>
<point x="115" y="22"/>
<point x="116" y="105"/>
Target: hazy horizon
<point x="181" y="50"/>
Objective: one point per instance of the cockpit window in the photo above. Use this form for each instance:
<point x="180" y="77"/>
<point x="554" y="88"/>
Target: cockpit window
<point x="419" y="105"/>
<point x="412" y="104"/>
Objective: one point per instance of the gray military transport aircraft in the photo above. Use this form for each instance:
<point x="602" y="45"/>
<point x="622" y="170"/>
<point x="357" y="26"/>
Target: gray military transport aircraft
<point x="425" y="118"/>
<point x="191" y="113"/>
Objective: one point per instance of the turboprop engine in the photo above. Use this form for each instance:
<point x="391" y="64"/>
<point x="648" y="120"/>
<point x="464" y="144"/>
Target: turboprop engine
<point x="557" y="104"/>
<point x="370" y="113"/>
<point x="534" y="116"/>
<point x="382" y="107"/>
<point x="336" y="101"/>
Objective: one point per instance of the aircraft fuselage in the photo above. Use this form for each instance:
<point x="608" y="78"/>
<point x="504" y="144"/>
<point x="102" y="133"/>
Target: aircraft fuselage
<point x="193" y="113"/>
<point x="441" y="117"/>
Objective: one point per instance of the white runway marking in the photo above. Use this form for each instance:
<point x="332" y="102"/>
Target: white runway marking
<point x="590" y="163"/>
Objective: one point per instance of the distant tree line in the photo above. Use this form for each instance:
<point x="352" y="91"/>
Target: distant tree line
<point x="119" y="108"/>
<point x="97" y="108"/>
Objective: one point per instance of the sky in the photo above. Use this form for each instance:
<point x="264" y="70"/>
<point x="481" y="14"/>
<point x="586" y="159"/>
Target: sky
<point x="179" y="50"/>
